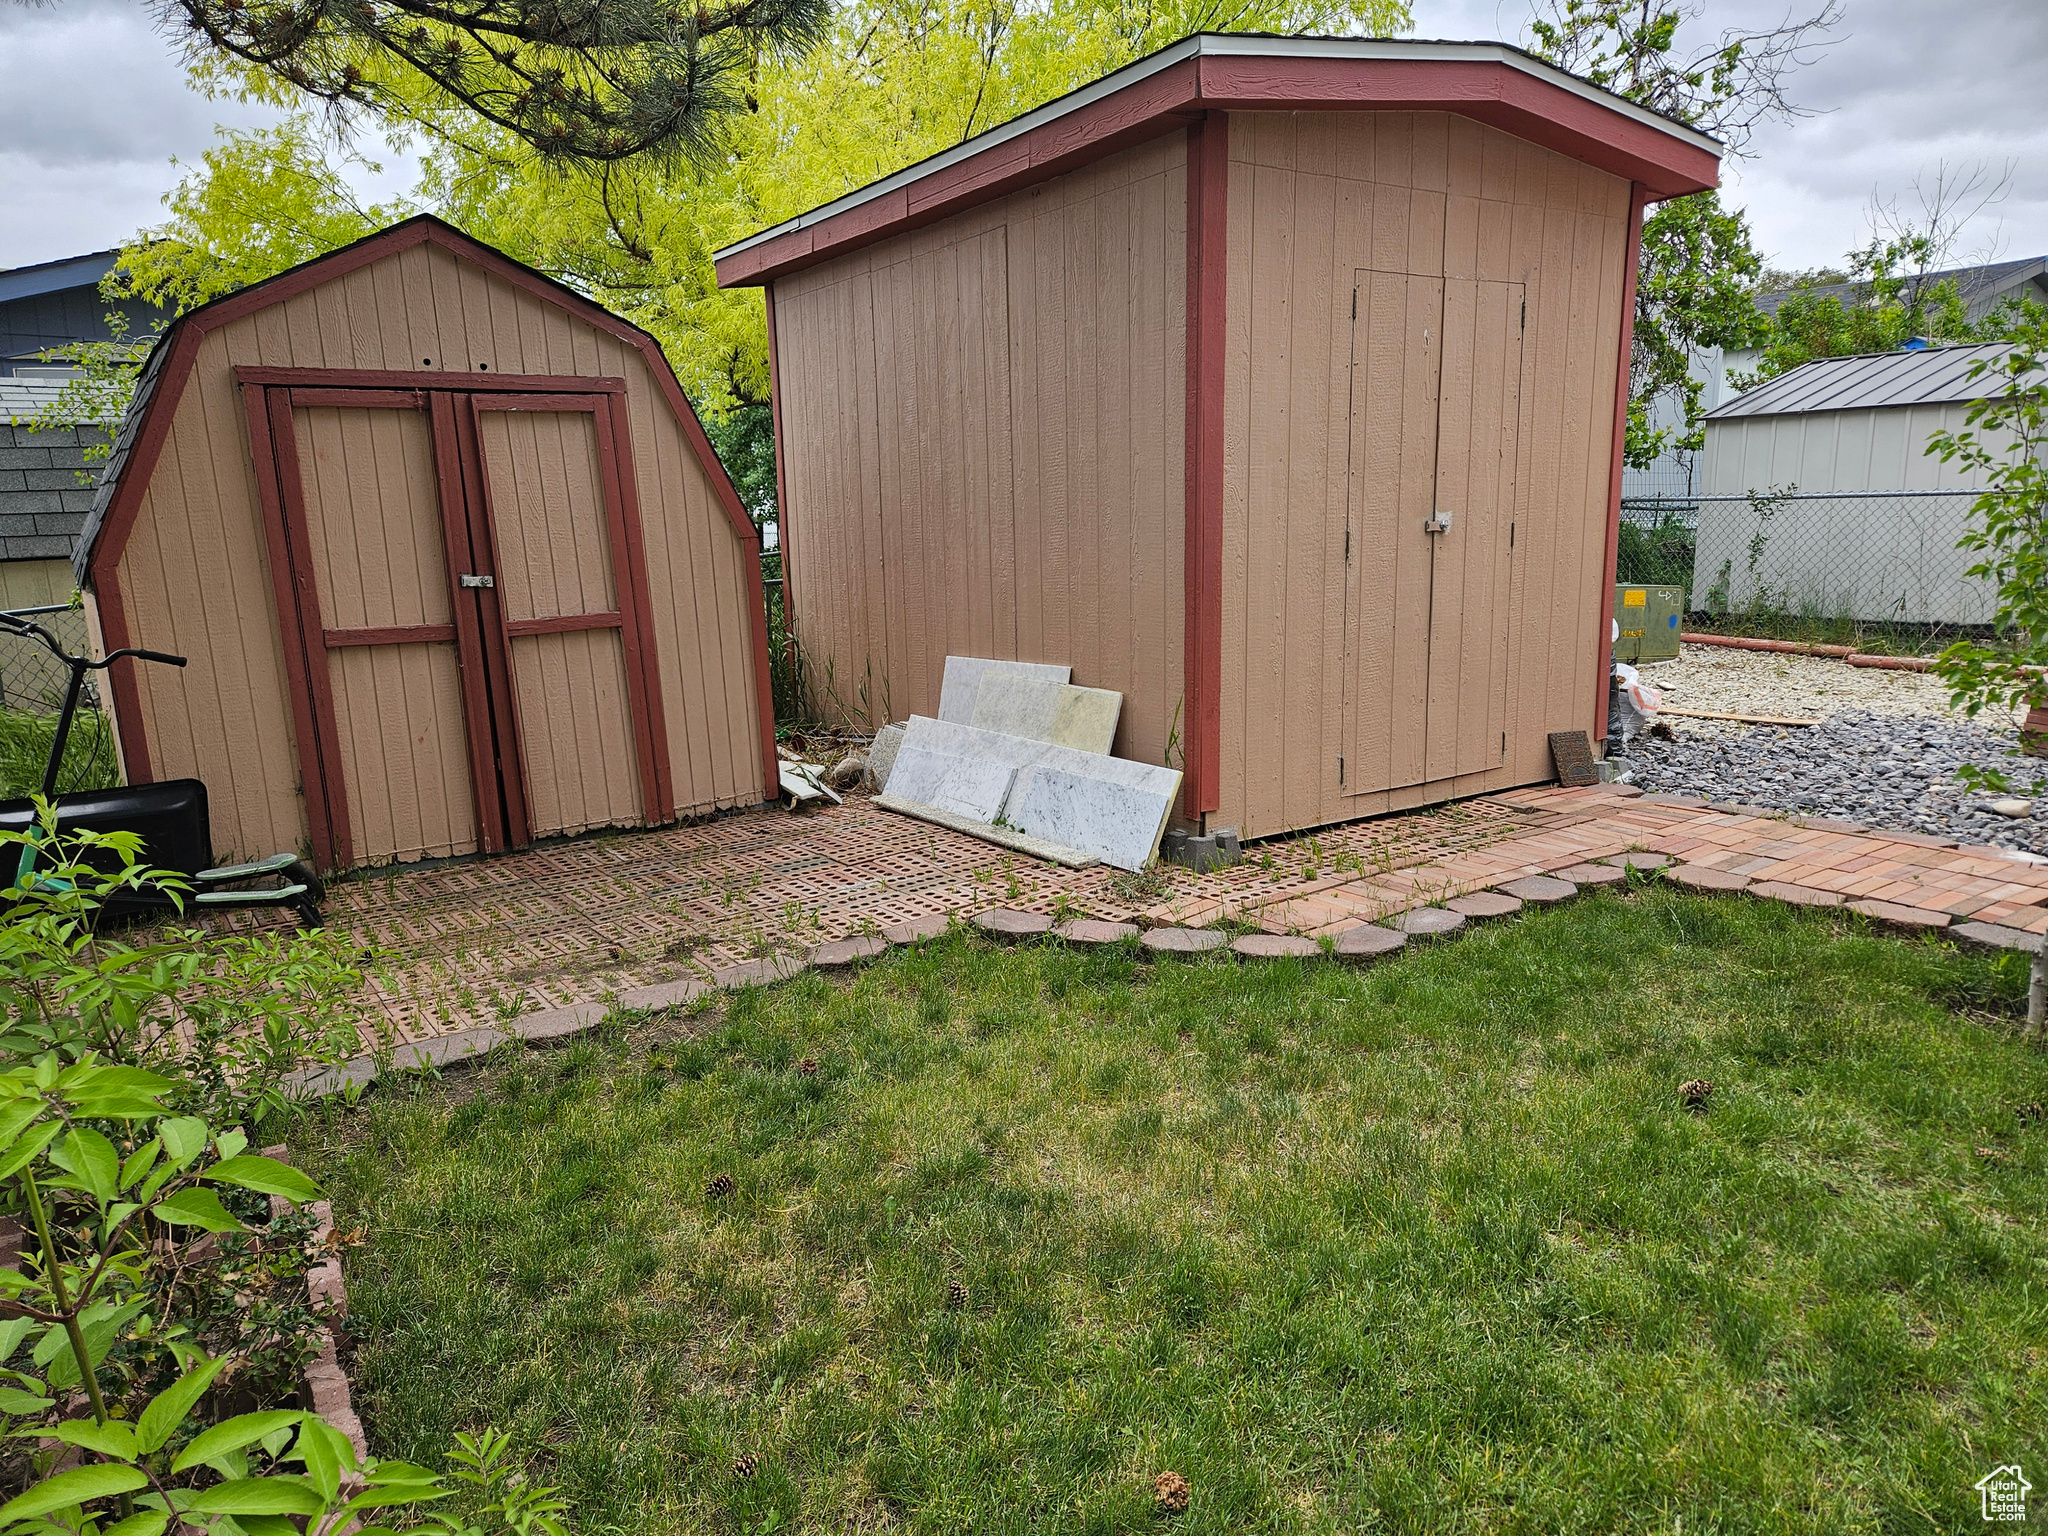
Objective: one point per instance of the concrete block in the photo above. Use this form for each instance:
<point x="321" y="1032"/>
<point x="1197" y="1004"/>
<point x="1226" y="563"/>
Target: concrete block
<point x="962" y="684"/>
<point x="882" y="756"/>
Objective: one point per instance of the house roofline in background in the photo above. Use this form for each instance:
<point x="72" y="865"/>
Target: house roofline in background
<point x="56" y="276"/>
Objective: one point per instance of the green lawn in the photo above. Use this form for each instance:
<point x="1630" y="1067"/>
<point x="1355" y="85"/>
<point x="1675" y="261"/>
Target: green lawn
<point x="1430" y="1247"/>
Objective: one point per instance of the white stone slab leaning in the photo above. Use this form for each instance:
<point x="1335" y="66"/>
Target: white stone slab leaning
<point x="882" y="756"/>
<point x="962" y="683"/>
<point x="1042" y="710"/>
<point x="1108" y="807"/>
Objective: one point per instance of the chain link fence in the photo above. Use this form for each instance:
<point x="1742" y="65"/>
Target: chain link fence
<point x="31" y="679"/>
<point x="1854" y="567"/>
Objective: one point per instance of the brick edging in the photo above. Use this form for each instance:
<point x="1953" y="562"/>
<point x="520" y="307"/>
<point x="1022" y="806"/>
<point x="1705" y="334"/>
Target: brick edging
<point x="326" y="1386"/>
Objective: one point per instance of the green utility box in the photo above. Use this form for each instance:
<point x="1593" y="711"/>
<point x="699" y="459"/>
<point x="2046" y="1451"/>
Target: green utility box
<point x="1649" y="619"/>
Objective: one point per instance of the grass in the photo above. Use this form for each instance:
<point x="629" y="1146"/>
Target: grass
<point x="1430" y="1247"/>
<point x="25" y="738"/>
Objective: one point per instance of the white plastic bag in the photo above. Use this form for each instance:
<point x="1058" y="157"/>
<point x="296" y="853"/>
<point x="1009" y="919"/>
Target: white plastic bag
<point x="1633" y="703"/>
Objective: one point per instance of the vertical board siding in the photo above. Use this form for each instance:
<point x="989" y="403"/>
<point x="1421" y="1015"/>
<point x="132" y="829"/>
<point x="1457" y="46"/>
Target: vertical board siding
<point x="196" y="571"/>
<point x="1417" y="205"/>
<point x="981" y="440"/>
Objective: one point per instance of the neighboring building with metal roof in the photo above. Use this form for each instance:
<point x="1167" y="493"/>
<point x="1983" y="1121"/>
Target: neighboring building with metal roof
<point x="1817" y="493"/>
<point x="1675" y="477"/>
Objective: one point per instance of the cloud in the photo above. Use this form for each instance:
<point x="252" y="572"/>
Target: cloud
<point x="1909" y="84"/>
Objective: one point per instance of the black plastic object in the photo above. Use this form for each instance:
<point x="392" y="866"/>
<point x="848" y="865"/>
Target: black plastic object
<point x="170" y="817"/>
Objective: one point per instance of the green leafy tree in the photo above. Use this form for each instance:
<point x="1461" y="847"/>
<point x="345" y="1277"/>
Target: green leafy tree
<point x="2005" y="439"/>
<point x="1695" y="291"/>
<point x="1696" y="279"/>
<point x="890" y="83"/>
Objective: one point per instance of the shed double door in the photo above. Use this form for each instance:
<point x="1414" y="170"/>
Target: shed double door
<point x="462" y="598"/>
<point x="1436" y="378"/>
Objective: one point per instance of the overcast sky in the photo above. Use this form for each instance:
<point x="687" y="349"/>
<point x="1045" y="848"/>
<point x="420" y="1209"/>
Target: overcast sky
<point x="95" y="107"/>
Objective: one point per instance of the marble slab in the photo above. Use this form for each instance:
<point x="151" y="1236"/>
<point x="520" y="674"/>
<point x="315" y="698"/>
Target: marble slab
<point x="1102" y="808"/>
<point x="1042" y="710"/>
<point x="966" y="785"/>
<point x="882" y="756"/>
<point x="962" y="684"/>
<point x="1108" y="808"/>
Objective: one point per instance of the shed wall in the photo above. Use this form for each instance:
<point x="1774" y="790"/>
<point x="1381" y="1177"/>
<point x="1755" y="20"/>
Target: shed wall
<point x="1867" y="557"/>
<point x="981" y="427"/>
<point x="1315" y="197"/>
<point x="195" y="573"/>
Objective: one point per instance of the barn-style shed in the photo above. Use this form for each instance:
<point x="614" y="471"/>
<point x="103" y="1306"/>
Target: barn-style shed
<point x="452" y="559"/>
<point x="1273" y="382"/>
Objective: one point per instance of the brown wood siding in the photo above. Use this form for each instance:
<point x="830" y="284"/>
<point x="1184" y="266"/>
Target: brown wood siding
<point x="196" y="574"/>
<point x="1315" y="198"/>
<point x="982" y="447"/>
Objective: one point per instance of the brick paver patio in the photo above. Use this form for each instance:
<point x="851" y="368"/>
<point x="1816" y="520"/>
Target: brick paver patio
<point x="480" y="942"/>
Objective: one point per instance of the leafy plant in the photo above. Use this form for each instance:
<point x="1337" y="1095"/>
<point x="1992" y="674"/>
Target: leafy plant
<point x="2003" y="441"/>
<point x="226" y="1018"/>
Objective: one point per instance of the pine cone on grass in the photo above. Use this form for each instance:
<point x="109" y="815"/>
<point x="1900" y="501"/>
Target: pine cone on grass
<point x="1694" y="1093"/>
<point x="746" y="1466"/>
<point x="1170" y="1493"/>
<point x="956" y="1296"/>
<point x="808" y="1067"/>
<point x="720" y="1187"/>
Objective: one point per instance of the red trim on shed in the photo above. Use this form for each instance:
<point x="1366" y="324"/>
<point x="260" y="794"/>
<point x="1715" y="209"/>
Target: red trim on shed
<point x="1639" y="197"/>
<point x="1486" y="90"/>
<point x="1208" y="218"/>
<point x="781" y="471"/>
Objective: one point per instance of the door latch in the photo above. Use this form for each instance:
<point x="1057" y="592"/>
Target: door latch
<point x="1438" y="521"/>
<point x="476" y="581"/>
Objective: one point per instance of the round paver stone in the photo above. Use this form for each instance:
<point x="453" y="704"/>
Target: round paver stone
<point x="841" y="953"/>
<point x="1592" y="875"/>
<point x="1008" y="926"/>
<point x="1637" y="861"/>
<point x="1544" y="890"/>
<point x="1092" y="930"/>
<point x="1276" y="946"/>
<point x="1482" y="905"/>
<point x="916" y="930"/>
<point x="1184" y="941"/>
<point x="1431" y="923"/>
<point x="1366" y="943"/>
<point x="1700" y="878"/>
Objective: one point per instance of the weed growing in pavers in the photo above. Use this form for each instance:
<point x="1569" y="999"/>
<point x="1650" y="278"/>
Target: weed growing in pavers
<point x="1435" y="1245"/>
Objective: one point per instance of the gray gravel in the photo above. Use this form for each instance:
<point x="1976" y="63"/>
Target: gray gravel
<point x="1896" y="771"/>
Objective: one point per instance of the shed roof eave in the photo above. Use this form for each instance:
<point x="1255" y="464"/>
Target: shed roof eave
<point x="1238" y="72"/>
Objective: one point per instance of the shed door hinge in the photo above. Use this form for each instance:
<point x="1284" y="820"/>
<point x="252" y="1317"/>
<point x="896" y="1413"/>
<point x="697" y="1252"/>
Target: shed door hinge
<point x="1354" y="303"/>
<point x="1511" y="535"/>
<point x="1340" y="767"/>
<point x="1347" y="543"/>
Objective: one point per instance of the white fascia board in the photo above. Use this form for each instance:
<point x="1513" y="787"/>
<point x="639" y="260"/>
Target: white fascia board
<point x="1216" y="45"/>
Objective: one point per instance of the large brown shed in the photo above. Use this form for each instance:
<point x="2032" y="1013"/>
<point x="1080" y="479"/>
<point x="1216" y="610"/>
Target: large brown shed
<point x="1274" y="382"/>
<point x="453" y="561"/>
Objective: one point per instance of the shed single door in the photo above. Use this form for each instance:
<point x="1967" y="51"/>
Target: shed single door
<point x="463" y="594"/>
<point x="1436" y="368"/>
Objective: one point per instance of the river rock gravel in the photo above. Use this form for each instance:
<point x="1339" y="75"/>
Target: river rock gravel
<point x="1894" y="770"/>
